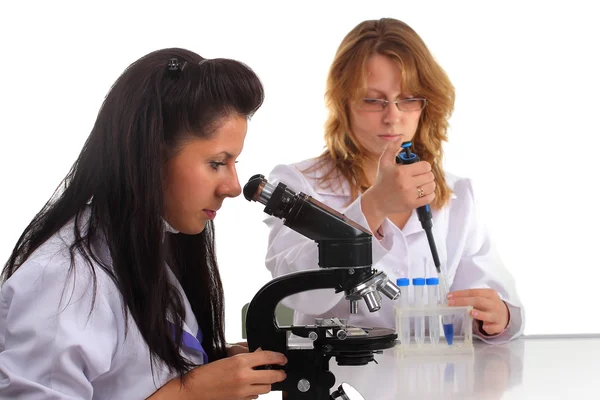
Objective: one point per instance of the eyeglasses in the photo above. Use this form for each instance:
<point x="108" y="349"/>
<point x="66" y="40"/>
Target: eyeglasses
<point x="410" y="104"/>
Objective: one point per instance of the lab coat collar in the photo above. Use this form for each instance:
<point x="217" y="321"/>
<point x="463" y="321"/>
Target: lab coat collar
<point x="413" y="225"/>
<point x="336" y="186"/>
<point x="190" y="342"/>
<point x="191" y="338"/>
<point x="192" y="334"/>
<point x="168" y="227"/>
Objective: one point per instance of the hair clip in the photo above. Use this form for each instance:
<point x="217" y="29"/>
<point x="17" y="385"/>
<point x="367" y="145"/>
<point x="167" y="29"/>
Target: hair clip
<point x="174" y="68"/>
<point x="203" y="61"/>
<point x="173" y="64"/>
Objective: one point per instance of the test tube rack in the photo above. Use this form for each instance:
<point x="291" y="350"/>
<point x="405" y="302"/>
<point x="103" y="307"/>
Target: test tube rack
<point x="462" y="342"/>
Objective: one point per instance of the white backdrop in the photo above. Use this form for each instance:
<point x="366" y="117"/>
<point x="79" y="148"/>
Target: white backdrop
<point x="524" y="128"/>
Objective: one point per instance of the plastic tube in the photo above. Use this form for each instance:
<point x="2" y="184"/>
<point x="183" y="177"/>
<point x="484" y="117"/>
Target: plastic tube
<point x="434" y="320"/>
<point x="403" y="283"/>
<point x="446" y="319"/>
<point x="419" y="284"/>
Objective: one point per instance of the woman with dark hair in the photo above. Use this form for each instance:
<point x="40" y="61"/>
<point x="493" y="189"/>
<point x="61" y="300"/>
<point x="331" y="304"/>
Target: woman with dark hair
<point x="113" y="290"/>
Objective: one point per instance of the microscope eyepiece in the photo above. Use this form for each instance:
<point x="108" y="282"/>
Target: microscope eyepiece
<point x="260" y="190"/>
<point x="305" y="214"/>
<point x="254" y="187"/>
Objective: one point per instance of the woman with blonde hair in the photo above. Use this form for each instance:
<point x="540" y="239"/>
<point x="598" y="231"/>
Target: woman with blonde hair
<point x="384" y="88"/>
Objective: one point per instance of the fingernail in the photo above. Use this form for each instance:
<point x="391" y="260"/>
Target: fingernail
<point x="474" y="313"/>
<point x="449" y="296"/>
<point x="451" y="302"/>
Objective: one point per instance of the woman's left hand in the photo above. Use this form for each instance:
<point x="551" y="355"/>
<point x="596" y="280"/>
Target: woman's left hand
<point x="236" y="348"/>
<point x="488" y="307"/>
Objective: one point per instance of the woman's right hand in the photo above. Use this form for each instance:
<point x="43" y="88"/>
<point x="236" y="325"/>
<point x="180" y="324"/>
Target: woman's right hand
<point x="396" y="187"/>
<point x="231" y="378"/>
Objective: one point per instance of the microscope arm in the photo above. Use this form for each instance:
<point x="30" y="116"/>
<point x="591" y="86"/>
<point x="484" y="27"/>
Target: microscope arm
<point x="262" y="329"/>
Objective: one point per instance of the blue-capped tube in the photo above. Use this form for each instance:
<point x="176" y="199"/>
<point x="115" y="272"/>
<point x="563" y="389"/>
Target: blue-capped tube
<point x="403" y="283"/>
<point x="434" y="320"/>
<point x="418" y="286"/>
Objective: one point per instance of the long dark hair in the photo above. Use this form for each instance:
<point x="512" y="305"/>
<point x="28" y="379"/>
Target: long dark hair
<point x="154" y="105"/>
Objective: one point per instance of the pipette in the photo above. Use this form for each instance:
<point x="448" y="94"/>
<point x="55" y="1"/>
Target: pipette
<point x="406" y="156"/>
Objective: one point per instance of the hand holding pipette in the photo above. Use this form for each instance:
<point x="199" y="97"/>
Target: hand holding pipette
<point x="424" y="212"/>
<point x="406" y="156"/>
<point x="395" y="190"/>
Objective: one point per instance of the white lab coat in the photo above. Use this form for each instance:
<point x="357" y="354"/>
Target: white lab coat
<point x="50" y="349"/>
<point x="464" y="246"/>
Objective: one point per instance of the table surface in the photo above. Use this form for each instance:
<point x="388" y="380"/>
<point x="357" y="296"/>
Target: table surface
<point x="531" y="367"/>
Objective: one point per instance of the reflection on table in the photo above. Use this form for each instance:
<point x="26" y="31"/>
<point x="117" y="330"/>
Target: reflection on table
<point x="485" y="375"/>
<point x="537" y="367"/>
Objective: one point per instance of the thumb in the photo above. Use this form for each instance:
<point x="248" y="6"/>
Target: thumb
<point x="388" y="156"/>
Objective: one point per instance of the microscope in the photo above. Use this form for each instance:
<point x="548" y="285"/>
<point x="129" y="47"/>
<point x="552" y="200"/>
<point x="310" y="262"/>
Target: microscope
<point x="345" y="259"/>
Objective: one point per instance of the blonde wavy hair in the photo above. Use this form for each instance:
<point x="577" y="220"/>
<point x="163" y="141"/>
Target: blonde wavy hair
<point x="346" y="83"/>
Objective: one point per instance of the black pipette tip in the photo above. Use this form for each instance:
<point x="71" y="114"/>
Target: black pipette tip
<point x="406" y="147"/>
